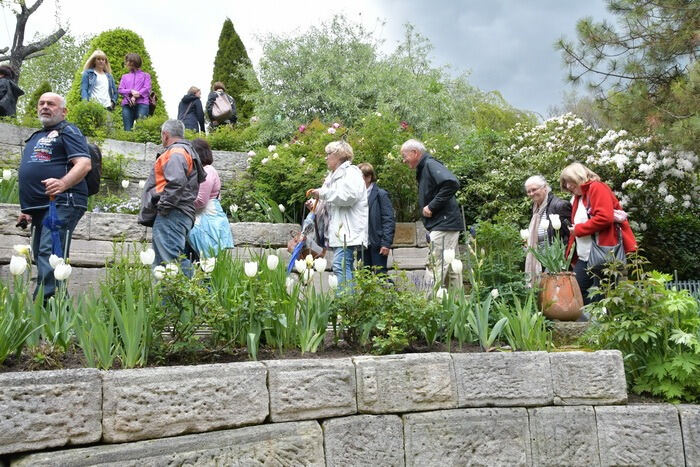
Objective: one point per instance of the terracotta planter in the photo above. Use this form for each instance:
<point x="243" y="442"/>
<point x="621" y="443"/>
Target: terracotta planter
<point x="560" y="296"/>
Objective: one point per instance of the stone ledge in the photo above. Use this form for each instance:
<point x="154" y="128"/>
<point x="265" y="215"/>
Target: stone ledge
<point x="279" y="444"/>
<point x="564" y="436"/>
<point x="690" y="425"/>
<point x="159" y="402"/>
<point x="364" y="440"/>
<point x="46" y="409"/>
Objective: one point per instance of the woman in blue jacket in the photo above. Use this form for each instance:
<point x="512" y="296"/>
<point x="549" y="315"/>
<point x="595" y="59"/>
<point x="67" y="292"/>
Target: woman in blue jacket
<point x="97" y="83"/>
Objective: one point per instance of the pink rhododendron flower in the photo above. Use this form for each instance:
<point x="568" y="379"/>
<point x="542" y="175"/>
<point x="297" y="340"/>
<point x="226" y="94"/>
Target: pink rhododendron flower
<point x="302" y="128"/>
<point x="404" y="125"/>
<point x="336" y="125"/>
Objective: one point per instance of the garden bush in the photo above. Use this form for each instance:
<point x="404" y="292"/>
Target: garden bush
<point x="90" y="117"/>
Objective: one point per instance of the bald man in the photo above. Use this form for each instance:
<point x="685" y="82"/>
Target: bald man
<point x="54" y="163"/>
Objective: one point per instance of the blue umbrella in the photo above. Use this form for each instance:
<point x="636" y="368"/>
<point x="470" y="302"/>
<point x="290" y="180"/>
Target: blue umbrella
<point x="295" y="255"/>
<point x="54" y="224"/>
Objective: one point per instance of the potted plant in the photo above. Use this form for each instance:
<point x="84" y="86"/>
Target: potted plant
<point x="560" y="295"/>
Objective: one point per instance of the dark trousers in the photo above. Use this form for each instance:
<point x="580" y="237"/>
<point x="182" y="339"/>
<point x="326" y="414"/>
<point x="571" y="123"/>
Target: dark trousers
<point x="372" y="259"/>
<point x="586" y="279"/>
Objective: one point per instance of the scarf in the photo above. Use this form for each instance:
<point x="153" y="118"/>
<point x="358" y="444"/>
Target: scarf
<point x="533" y="267"/>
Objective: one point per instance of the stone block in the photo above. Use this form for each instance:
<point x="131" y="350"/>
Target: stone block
<point x="110" y="227"/>
<point x="364" y="440"/>
<point x="639" y="435"/>
<point x="309" y="389"/>
<point x="412" y="280"/>
<point x="7" y="243"/>
<point x="45" y="409"/>
<point x="262" y="233"/>
<point x="690" y="424"/>
<point x="588" y="378"/>
<point x="409" y="258"/>
<point x="228" y="161"/>
<point x="564" y="436"/>
<point x="13" y="134"/>
<point x="405" y="383"/>
<point x="167" y="401"/>
<point x="421" y="235"/>
<point x="138" y="169"/>
<point x="91" y="253"/>
<point x="82" y="280"/>
<point x="10" y="154"/>
<point x="488" y="436"/>
<point x="113" y="147"/>
<point x="298" y="443"/>
<point x="405" y="234"/>
<point x="503" y="379"/>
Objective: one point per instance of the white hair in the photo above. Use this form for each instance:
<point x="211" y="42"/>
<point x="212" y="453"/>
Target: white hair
<point x="413" y="145"/>
<point x="538" y="180"/>
<point x="174" y="128"/>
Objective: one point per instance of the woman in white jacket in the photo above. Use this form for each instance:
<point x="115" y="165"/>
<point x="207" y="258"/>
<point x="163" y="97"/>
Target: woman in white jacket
<point x="345" y="196"/>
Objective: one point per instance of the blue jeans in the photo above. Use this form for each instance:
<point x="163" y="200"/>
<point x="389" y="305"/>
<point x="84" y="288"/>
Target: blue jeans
<point x="343" y="264"/>
<point x="169" y="237"/>
<point x="41" y="245"/>
<point x="131" y="114"/>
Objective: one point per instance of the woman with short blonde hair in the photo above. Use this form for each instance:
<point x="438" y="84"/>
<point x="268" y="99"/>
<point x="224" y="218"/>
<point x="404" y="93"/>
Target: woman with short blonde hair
<point x="97" y="82"/>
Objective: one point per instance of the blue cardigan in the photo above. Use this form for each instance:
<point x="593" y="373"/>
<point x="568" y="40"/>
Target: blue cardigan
<point x="87" y="84"/>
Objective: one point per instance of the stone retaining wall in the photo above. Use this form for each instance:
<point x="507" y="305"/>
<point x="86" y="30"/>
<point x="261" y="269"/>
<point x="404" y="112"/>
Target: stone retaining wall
<point x="528" y="408"/>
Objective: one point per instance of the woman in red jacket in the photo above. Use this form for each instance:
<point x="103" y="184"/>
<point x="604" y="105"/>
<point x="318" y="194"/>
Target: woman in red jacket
<point x="592" y="220"/>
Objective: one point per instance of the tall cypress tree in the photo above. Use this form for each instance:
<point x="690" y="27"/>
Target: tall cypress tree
<point x="232" y="66"/>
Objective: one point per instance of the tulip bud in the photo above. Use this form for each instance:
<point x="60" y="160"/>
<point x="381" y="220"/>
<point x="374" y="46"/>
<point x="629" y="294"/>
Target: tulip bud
<point x="456" y="265"/>
<point x="208" y="264"/>
<point x="289" y="285"/>
<point x="494" y="293"/>
<point x="333" y="281"/>
<point x="555" y="220"/>
<point x="281" y="207"/>
<point x="18" y="264"/>
<point x="6" y="174"/>
<point x="142" y="184"/>
<point x="172" y="269"/>
<point x="55" y="261"/>
<point x="524" y="234"/>
<point x="448" y="255"/>
<point x="62" y="271"/>
<point x="272" y="262"/>
<point x="22" y="249"/>
<point x="441" y="292"/>
<point x="320" y="264"/>
<point x="159" y="272"/>
<point x="251" y="268"/>
<point x="125" y="184"/>
<point x="299" y="266"/>
<point x="147" y="257"/>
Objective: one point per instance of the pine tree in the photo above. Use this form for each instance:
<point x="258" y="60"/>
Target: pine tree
<point x="116" y="43"/>
<point x="232" y="67"/>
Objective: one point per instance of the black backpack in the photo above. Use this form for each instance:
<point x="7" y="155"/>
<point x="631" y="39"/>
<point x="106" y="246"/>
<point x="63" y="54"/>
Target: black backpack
<point x="93" y="177"/>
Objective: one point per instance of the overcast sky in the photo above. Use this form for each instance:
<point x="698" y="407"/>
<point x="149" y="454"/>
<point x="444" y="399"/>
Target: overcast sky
<point x="505" y="45"/>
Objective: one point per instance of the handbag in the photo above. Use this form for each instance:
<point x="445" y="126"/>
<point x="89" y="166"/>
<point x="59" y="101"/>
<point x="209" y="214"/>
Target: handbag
<point x="152" y="102"/>
<point x="601" y="255"/>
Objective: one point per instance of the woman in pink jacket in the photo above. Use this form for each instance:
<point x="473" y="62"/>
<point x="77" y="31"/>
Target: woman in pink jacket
<point x="135" y="87"/>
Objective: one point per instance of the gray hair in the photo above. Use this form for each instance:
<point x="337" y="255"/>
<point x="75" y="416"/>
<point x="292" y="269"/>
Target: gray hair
<point x="61" y="99"/>
<point x="413" y="145"/>
<point x="174" y="128"/>
<point x="538" y="180"/>
<point x="342" y="149"/>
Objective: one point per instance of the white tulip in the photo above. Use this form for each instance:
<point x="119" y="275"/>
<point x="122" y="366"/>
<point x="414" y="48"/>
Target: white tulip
<point x="22" y="249"/>
<point x="494" y="293"/>
<point x="172" y="269"/>
<point x="62" y="271"/>
<point x="6" y="174"/>
<point x="55" y="260"/>
<point x="456" y="265"/>
<point x="555" y="221"/>
<point x="159" y="272"/>
<point x="281" y="207"/>
<point x="333" y="281"/>
<point x="307" y="275"/>
<point x="300" y="266"/>
<point x="18" y="264"/>
<point x="125" y="184"/>
<point x="207" y="264"/>
<point x="251" y="153"/>
<point x="289" y="285"/>
<point x="448" y="255"/>
<point x="142" y="184"/>
<point x="272" y="262"/>
<point x="320" y="264"/>
<point x="524" y="234"/>
<point x="441" y="292"/>
<point x="544" y="223"/>
<point x="147" y="257"/>
<point x="234" y="208"/>
<point x="251" y="268"/>
<point x="271" y="148"/>
<point x="309" y="261"/>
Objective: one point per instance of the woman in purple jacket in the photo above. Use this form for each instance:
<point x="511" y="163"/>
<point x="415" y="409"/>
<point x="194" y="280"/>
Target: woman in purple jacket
<point x="134" y="86"/>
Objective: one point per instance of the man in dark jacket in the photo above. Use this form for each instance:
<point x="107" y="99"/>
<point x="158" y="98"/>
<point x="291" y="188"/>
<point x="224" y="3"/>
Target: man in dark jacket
<point x="9" y="92"/>
<point x="381" y="222"/>
<point x="167" y="203"/>
<point x="439" y="210"/>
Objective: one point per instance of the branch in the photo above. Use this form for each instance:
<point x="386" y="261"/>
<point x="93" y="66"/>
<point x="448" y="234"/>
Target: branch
<point x="33" y="8"/>
<point x="27" y="50"/>
<point x="5" y="57"/>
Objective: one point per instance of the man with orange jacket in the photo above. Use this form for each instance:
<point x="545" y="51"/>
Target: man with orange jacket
<point x="167" y="202"/>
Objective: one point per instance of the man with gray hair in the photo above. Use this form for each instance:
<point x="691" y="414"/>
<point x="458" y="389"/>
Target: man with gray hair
<point x="54" y="163"/>
<point x="167" y="202"/>
<point x="439" y="209"/>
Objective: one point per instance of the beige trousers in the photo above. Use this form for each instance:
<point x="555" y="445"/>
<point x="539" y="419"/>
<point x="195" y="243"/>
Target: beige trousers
<point x="443" y="273"/>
